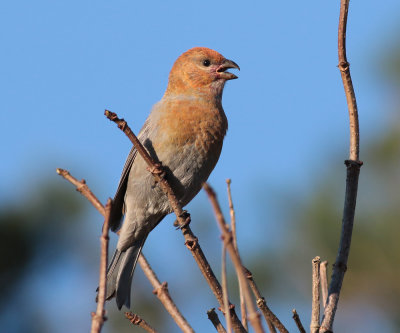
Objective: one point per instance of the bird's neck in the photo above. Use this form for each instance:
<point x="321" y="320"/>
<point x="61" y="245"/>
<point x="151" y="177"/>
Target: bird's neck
<point x="209" y="93"/>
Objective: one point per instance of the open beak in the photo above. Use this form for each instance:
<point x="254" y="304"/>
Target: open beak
<point x="222" y="70"/>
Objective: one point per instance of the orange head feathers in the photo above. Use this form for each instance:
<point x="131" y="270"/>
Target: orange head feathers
<point x="200" y="70"/>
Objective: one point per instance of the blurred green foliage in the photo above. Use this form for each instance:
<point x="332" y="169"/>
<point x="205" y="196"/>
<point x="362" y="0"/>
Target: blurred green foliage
<point x="38" y="225"/>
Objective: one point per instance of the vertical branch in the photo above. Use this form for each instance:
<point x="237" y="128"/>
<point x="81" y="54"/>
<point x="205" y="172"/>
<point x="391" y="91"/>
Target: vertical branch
<point x="225" y="290"/>
<point x="324" y="281"/>
<point x="233" y="226"/>
<point x="99" y="318"/>
<point x="344" y="68"/>
<point x="315" y="309"/>
<point x="353" y="170"/>
<point x="232" y="213"/>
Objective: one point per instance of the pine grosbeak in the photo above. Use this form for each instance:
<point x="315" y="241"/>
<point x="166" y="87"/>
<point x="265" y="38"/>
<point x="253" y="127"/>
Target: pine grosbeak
<point x="184" y="131"/>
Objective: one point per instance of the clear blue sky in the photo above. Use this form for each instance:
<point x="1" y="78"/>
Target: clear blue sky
<point x="63" y="63"/>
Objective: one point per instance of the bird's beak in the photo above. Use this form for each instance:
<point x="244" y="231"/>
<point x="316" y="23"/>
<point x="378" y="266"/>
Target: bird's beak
<point x="226" y="64"/>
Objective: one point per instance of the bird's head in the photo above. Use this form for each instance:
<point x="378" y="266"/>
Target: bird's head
<point x="200" y="70"/>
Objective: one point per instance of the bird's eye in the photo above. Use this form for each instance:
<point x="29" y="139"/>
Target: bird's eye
<point x="206" y="62"/>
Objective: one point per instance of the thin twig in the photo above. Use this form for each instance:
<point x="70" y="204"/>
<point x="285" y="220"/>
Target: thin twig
<point x="162" y="293"/>
<point x="315" y="309"/>
<point x="183" y="219"/>
<point x="99" y="318"/>
<point x="297" y="320"/>
<point x="232" y="213"/>
<point x="344" y="68"/>
<point x="164" y="296"/>
<point x="324" y="281"/>
<point x="136" y="320"/>
<point x="254" y="316"/>
<point x="212" y="315"/>
<point x="82" y="188"/>
<point x="269" y="316"/>
<point x="353" y="170"/>
<point x="225" y="290"/>
<point x="233" y="227"/>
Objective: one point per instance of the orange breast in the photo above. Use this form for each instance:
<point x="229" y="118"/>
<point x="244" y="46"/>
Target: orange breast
<point x="192" y="122"/>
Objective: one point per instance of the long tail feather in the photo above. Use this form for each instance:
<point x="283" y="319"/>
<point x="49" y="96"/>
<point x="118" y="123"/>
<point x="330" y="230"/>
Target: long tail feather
<point x="120" y="273"/>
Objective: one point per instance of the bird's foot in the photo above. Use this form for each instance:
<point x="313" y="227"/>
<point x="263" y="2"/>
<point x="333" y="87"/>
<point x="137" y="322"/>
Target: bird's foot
<point x="184" y="216"/>
<point x="157" y="169"/>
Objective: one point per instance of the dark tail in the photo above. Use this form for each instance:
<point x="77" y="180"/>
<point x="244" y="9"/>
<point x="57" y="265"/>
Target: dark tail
<point x="120" y="273"/>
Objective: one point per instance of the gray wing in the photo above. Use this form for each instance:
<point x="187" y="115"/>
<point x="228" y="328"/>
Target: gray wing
<point x="118" y="202"/>
<point x="117" y="209"/>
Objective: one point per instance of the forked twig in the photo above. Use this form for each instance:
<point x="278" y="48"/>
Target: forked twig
<point x="99" y="318"/>
<point x="353" y="170"/>
<point x="183" y="219"/>
<point x="138" y="321"/>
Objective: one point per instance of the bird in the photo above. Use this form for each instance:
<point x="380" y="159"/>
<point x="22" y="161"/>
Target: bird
<point x="184" y="131"/>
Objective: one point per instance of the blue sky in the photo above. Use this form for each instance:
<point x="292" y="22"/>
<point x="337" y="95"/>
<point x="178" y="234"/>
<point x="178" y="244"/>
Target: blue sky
<point x="63" y="63"/>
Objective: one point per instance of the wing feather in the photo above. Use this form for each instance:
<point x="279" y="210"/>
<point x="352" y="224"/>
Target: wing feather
<point x="118" y="202"/>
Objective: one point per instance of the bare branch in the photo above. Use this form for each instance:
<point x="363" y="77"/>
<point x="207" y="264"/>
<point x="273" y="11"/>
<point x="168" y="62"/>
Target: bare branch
<point x="225" y="290"/>
<point x="254" y="316"/>
<point x="136" y="320"/>
<point x="183" y="219"/>
<point x="212" y="315"/>
<point x="324" y="281"/>
<point x="269" y="316"/>
<point x="99" y="318"/>
<point x="315" y="310"/>
<point x="164" y="296"/>
<point x="353" y="171"/>
<point x="344" y="68"/>
<point x="162" y="293"/>
<point x="297" y="320"/>
<point x="233" y="227"/>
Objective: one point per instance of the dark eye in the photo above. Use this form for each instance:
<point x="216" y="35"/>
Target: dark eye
<point x="206" y="62"/>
